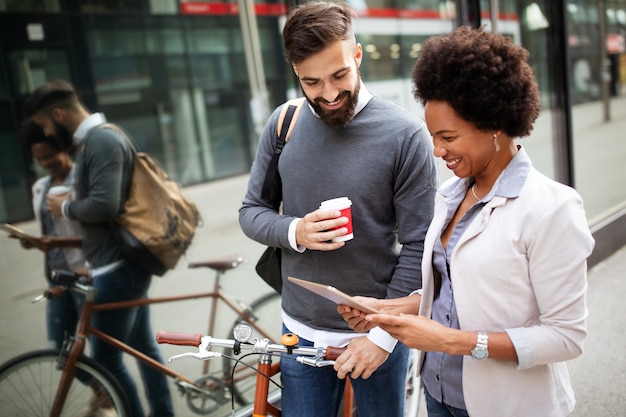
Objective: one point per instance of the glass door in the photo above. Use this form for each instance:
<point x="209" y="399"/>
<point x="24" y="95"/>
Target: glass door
<point x="26" y="69"/>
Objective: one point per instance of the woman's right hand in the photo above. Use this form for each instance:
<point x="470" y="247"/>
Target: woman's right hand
<point x="356" y="318"/>
<point x="25" y="243"/>
<point x="392" y="306"/>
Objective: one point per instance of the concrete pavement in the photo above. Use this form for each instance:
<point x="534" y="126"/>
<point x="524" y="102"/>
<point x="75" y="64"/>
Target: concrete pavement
<point x="599" y="374"/>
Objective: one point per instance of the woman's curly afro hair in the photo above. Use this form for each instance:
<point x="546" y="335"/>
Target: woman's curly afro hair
<point x="483" y="76"/>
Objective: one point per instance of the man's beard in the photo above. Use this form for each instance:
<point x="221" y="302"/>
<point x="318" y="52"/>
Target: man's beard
<point x="64" y="136"/>
<point x="342" y="116"/>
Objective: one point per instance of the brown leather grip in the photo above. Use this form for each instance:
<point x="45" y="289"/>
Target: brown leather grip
<point x="54" y="291"/>
<point x="177" y="338"/>
<point x="333" y="352"/>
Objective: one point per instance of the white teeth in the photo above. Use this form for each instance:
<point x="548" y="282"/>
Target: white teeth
<point x="452" y="161"/>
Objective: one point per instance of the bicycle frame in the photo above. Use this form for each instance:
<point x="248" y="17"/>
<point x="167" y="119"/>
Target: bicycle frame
<point x="84" y="330"/>
<point x="73" y="351"/>
<point x="262" y="404"/>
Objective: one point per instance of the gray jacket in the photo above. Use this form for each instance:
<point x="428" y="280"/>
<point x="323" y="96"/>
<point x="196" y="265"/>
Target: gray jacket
<point x="104" y="169"/>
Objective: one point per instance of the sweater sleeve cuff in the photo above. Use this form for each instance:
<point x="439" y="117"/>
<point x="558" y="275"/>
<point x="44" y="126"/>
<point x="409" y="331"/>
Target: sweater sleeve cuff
<point x="65" y="210"/>
<point x="525" y="357"/>
<point x="382" y="339"/>
<point x="292" y="236"/>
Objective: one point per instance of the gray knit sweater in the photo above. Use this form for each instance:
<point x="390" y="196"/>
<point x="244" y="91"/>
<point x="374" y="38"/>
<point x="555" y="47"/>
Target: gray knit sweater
<point x="104" y="171"/>
<point x="383" y="162"/>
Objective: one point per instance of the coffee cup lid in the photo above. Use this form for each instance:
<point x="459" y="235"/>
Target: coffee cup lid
<point x="59" y="189"/>
<point x="340" y="202"/>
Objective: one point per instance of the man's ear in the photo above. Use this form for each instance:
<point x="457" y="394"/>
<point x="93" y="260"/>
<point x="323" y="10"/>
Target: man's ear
<point x="358" y="54"/>
<point x="58" y="114"/>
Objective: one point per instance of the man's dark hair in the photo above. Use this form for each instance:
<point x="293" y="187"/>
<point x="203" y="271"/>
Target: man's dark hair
<point x="483" y="76"/>
<point x="57" y="93"/>
<point x="311" y="27"/>
<point x="31" y="133"/>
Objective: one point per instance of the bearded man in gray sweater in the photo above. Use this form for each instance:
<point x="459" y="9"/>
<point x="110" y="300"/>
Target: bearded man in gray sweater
<point x="350" y="143"/>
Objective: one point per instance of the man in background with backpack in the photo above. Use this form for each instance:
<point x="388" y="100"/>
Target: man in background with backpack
<point x="346" y="142"/>
<point x="104" y="166"/>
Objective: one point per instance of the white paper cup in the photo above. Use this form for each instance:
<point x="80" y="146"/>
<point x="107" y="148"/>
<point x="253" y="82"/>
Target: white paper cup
<point x="344" y="205"/>
<point x="59" y="190"/>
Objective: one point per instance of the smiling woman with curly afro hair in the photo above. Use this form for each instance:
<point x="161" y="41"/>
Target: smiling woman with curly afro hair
<point x="501" y="307"/>
<point x="483" y="76"/>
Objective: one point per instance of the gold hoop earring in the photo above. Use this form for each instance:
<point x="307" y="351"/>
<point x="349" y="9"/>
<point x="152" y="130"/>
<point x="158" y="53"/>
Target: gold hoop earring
<point x="495" y="142"/>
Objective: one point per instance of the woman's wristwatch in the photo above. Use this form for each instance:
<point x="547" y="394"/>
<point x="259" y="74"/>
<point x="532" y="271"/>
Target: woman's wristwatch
<point x="480" y="351"/>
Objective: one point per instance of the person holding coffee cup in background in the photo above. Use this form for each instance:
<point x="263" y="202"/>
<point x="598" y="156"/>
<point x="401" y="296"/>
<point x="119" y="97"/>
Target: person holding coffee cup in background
<point x="346" y="142"/>
<point x="60" y="238"/>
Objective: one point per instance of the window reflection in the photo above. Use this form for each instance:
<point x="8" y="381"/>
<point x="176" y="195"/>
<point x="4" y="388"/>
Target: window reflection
<point x="29" y="6"/>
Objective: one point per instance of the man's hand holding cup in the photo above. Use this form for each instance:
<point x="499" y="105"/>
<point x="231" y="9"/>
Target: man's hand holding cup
<point x="55" y="198"/>
<point x="328" y="227"/>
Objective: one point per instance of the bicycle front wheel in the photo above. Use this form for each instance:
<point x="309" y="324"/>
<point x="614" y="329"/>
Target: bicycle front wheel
<point x="28" y="385"/>
<point x="265" y="314"/>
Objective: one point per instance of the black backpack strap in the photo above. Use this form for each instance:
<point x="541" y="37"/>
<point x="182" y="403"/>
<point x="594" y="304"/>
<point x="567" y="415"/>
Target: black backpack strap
<point x="271" y="185"/>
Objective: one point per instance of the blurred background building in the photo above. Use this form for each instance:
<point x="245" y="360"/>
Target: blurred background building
<point x="194" y="81"/>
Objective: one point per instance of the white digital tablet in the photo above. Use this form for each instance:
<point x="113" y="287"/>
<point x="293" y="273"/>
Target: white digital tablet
<point x="333" y="294"/>
<point x="9" y="228"/>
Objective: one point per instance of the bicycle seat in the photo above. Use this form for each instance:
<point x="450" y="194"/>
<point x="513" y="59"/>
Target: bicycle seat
<point x="220" y="264"/>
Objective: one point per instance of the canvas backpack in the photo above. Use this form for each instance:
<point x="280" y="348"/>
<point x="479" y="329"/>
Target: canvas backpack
<point x="158" y="222"/>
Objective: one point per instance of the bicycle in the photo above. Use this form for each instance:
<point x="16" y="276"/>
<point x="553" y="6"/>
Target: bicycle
<point x="29" y="382"/>
<point x="313" y="356"/>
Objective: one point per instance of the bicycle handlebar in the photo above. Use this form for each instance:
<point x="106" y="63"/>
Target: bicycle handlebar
<point x="320" y="356"/>
<point x="179" y="339"/>
<point x="54" y="291"/>
<point x="68" y="281"/>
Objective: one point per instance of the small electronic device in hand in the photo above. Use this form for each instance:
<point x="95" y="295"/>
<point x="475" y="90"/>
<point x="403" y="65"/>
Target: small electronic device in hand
<point x="333" y="294"/>
<point x="15" y="231"/>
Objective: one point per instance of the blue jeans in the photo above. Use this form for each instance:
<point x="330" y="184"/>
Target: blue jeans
<point x="132" y="326"/>
<point x="62" y="314"/>
<point x="312" y="392"/>
<point x="437" y="409"/>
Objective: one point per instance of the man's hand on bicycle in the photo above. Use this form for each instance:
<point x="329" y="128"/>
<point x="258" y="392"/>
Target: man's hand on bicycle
<point x="361" y="358"/>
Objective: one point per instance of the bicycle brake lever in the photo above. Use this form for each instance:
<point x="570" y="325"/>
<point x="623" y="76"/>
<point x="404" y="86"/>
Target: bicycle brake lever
<point x="317" y="363"/>
<point x="197" y="355"/>
<point x="38" y="299"/>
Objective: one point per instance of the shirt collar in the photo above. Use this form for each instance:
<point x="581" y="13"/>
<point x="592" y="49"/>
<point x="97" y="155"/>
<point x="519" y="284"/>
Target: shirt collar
<point x="508" y="185"/>
<point x="86" y="125"/>
<point x="364" y="97"/>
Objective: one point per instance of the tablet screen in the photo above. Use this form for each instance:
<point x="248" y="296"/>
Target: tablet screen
<point x="333" y="294"/>
<point x="9" y="228"/>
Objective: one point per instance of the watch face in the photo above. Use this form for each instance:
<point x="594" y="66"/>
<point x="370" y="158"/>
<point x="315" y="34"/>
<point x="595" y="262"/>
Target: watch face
<point x="479" y="353"/>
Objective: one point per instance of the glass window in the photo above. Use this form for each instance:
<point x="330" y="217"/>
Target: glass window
<point x="29" y="6"/>
<point x="269" y="37"/>
<point x="216" y="51"/>
<point x="4" y="85"/>
<point x="382" y="57"/>
<point x="29" y="68"/>
<point x="14" y="186"/>
<point x="107" y="6"/>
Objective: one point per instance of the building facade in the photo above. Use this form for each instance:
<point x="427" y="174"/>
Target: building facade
<point x="194" y="81"/>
